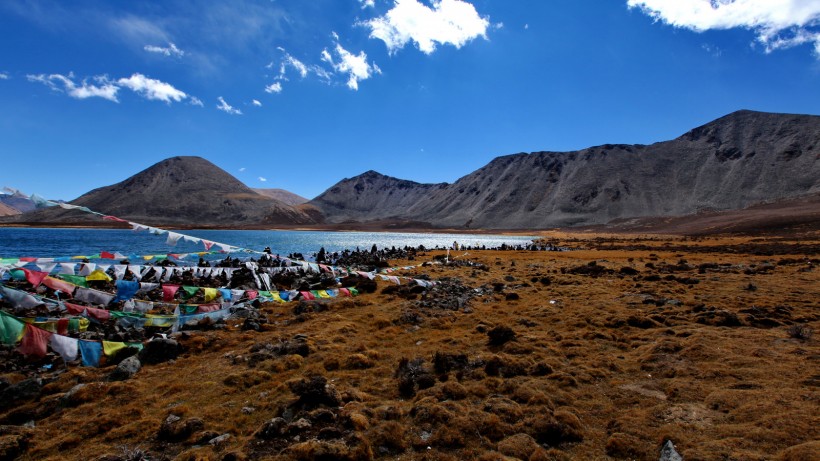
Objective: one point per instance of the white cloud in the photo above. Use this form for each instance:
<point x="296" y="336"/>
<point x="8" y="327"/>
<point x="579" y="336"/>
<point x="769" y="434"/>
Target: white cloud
<point x="194" y="101"/>
<point x="256" y="103"/>
<point x="290" y="61"/>
<point x="368" y="3"/>
<point x="778" y="24"/>
<point x="355" y="66"/>
<point x="104" y="88"/>
<point x="225" y="107"/>
<point x="242" y="169"/>
<point x="153" y="89"/>
<point x="170" y="50"/>
<point x="4" y="76"/>
<point x="263" y="179"/>
<point x="448" y="22"/>
<point x="274" y="87"/>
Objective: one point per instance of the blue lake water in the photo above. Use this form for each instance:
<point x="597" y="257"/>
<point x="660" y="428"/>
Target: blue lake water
<point x="46" y="243"/>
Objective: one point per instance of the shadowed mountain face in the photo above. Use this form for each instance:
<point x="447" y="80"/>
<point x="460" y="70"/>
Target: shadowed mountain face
<point x="736" y="161"/>
<point x="180" y="190"/>
<point x="286" y="197"/>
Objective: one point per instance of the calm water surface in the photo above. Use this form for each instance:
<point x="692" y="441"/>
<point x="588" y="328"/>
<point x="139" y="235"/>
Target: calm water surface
<point x="45" y="243"/>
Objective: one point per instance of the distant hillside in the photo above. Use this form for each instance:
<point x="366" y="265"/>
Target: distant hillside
<point x="19" y="204"/>
<point x="286" y="197"/>
<point x="736" y="161"/>
<point x="179" y="191"/>
<point x="6" y="210"/>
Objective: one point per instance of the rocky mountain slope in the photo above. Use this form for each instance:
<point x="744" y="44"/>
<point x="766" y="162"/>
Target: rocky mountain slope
<point x="181" y="191"/>
<point x="284" y="196"/>
<point x="736" y="161"/>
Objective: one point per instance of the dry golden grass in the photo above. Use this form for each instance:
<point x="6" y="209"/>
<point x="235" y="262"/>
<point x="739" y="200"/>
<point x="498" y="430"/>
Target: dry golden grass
<point x="606" y="364"/>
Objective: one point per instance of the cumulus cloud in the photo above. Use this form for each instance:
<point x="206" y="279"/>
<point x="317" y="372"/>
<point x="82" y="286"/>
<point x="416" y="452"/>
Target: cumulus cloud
<point x="274" y="87"/>
<point x="354" y="65"/>
<point x="150" y="88"/>
<point x="170" y="50"/>
<point x="778" y="24"/>
<point x="256" y="103"/>
<point x="263" y="179"/>
<point x="448" y="22"/>
<point x="102" y="88"/>
<point x="225" y="107"/>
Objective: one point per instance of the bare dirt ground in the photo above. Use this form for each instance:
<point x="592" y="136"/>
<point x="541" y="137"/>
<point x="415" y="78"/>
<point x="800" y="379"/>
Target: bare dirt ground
<point x="601" y="353"/>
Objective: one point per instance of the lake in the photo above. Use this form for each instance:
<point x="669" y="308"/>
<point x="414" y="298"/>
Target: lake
<point x="46" y="242"/>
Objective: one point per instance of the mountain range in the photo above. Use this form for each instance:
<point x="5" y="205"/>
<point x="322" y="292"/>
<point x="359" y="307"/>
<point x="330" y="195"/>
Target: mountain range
<point x="736" y="161"/>
<point x="741" y="160"/>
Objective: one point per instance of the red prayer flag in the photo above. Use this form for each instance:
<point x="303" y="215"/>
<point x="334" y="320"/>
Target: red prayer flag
<point x="168" y="292"/>
<point x="107" y="255"/>
<point x="35" y="341"/>
<point x="35" y="277"/>
<point x="113" y="218"/>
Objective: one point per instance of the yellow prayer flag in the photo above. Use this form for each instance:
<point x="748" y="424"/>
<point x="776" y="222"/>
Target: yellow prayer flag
<point x="210" y="294"/>
<point x="110" y="348"/>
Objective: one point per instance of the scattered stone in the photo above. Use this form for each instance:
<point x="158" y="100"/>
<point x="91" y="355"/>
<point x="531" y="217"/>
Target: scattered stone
<point x="219" y="440"/>
<point x="126" y="369"/>
<point x="668" y="452"/>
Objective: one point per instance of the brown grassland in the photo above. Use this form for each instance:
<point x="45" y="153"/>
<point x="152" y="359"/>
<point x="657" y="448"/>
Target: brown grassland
<point x="601" y="353"/>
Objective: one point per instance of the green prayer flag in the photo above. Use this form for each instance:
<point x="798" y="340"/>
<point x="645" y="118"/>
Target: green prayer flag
<point x="78" y="280"/>
<point x="11" y="329"/>
<point x="189" y="291"/>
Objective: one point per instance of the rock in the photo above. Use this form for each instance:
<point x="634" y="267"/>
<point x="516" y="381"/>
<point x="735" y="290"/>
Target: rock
<point x="219" y="440"/>
<point x="159" y="351"/>
<point x="69" y="398"/>
<point x="271" y="429"/>
<point x="26" y="389"/>
<point x="668" y="452"/>
<point x="126" y="369"/>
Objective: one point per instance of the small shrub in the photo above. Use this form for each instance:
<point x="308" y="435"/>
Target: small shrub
<point x="801" y="332"/>
<point x="500" y="335"/>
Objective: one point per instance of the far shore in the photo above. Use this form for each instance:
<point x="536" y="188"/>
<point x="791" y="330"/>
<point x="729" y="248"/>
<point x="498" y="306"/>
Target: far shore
<point x="322" y="228"/>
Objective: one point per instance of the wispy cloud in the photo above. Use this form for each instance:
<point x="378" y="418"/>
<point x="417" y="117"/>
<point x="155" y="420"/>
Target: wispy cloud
<point x="150" y="88"/>
<point x="355" y="66"/>
<point x="780" y="24"/>
<point x="263" y="179"/>
<point x="4" y="76"/>
<point x="225" y="107"/>
<point x="448" y="22"/>
<point x="368" y="3"/>
<point x="170" y="50"/>
<point x="256" y="103"/>
<point x="194" y="101"/>
<point x="102" y="88"/>
<point x="242" y="169"/>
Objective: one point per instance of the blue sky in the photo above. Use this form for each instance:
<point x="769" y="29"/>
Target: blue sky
<point x="299" y="94"/>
